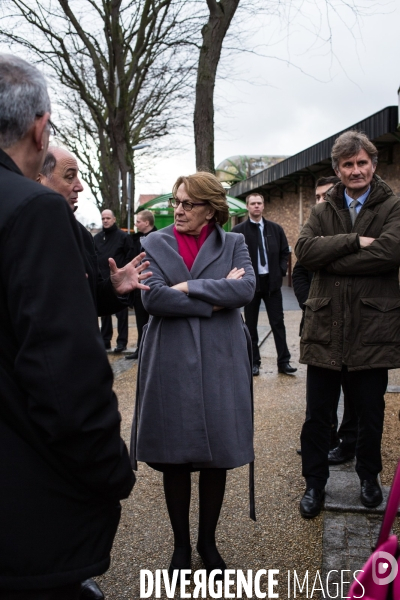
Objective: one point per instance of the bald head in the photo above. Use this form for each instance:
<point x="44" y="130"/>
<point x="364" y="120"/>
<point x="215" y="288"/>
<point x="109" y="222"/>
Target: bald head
<point x="108" y="218"/>
<point x="60" y="173"/>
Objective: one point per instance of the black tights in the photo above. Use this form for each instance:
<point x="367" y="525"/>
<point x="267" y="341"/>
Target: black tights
<point x="177" y="495"/>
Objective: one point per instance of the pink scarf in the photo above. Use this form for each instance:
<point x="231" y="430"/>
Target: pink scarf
<point x="189" y="246"/>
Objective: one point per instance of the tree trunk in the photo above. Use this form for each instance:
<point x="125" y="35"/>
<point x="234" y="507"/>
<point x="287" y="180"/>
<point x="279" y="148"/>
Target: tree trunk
<point x="221" y="14"/>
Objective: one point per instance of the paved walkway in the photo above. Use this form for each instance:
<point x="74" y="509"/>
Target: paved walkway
<point x="280" y="539"/>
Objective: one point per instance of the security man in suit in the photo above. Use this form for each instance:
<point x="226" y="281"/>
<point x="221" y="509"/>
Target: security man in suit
<point x="269" y="251"/>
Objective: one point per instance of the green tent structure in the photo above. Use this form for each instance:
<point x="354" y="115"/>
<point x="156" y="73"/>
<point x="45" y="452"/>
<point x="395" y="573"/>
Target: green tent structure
<point x="164" y="214"/>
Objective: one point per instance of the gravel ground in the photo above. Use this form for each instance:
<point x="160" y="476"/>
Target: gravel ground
<point x="280" y="539"/>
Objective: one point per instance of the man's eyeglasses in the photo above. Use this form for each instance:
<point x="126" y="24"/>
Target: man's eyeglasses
<point x="51" y="126"/>
<point x="186" y="205"/>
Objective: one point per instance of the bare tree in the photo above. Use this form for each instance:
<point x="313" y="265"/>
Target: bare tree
<point x="220" y="16"/>
<point x="248" y="17"/>
<point x="122" y="67"/>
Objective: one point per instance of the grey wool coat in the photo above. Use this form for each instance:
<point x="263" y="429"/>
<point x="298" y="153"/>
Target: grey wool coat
<point x="194" y="401"/>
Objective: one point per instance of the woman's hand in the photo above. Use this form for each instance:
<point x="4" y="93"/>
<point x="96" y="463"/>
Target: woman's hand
<point x="235" y="274"/>
<point x="181" y="287"/>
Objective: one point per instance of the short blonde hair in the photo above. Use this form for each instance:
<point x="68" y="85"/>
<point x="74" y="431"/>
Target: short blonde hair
<point x="146" y="215"/>
<point x="205" y="187"/>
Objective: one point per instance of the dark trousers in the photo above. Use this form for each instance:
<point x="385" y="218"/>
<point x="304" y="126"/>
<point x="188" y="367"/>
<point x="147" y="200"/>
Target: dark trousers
<point x="274" y="308"/>
<point x="346" y="435"/>
<point x="348" y="430"/>
<point x="366" y="389"/>
<point x="142" y="316"/>
<point x="107" y="328"/>
<point x="68" y="592"/>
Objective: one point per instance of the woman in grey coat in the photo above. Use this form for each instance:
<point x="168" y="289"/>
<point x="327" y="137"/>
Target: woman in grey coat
<point x="194" y="405"/>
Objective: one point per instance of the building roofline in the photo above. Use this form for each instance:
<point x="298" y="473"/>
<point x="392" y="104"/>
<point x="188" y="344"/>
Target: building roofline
<point x="376" y="126"/>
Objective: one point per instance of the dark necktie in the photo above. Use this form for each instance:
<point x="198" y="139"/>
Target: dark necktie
<point x="260" y="246"/>
<point x="352" y="209"/>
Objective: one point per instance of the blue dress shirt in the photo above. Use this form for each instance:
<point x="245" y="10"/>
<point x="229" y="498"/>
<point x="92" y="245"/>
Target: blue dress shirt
<point x="360" y="200"/>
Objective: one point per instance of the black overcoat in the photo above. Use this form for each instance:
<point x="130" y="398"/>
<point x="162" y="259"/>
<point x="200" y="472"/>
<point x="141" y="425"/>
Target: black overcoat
<point x="105" y="299"/>
<point x="63" y="465"/>
<point x="112" y="243"/>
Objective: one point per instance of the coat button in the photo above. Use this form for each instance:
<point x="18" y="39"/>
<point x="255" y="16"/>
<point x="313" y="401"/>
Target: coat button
<point x="337" y="283"/>
<point x="333" y="362"/>
<point x="334" y="323"/>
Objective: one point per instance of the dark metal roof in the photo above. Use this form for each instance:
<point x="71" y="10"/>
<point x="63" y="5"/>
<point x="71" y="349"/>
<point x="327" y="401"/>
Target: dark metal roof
<point x="381" y="128"/>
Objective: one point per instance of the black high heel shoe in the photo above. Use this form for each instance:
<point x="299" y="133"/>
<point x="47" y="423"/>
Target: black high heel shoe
<point x="220" y="564"/>
<point x="172" y="567"/>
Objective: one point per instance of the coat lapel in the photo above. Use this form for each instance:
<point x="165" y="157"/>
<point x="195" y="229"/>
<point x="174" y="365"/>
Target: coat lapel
<point x="364" y="220"/>
<point x="209" y="252"/>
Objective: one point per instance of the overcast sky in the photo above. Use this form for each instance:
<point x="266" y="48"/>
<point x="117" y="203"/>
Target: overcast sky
<point x="289" y="110"/>
<point x="286" y="110"/>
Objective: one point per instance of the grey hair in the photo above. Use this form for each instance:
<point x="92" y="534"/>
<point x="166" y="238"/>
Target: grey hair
<point x="49" y="165"/>
<point x="351" y="143"/>
<point x="23" y="97"/>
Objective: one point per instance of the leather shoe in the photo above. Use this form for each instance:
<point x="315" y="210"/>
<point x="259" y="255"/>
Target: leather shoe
<point x="337" y="456"/>
<point x="173" y="567"/>
<point x="107" y="345"/>
<point x="118" y="349"/>
<point x="256" y="370"/>
<point x="90" y="591"/>
<point x="311" y="503"/>
<point x="221" y="565"/>
<point x="133" y="356"/>
<point x="371" y="493"/>
<point x="286" y="369"/>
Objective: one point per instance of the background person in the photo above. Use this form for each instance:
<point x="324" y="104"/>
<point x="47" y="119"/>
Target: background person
<point x="64" y="464"/>
<point x="269" y="251"/>
<point x="116" y="244"/>
<point x="144" y="224"/>
<point x="194" y="403"/>
<point x="350" y="332"/>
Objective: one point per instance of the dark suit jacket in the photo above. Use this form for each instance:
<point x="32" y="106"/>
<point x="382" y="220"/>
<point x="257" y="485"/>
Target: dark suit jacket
<point x="63" y="464"/>
<point x="277" y="250"/>
<point x="105" y="299"/>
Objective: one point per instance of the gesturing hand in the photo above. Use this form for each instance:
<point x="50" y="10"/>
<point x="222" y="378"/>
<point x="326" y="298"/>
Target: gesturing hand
<point x="235" y="274"/>
<point x="128" y="278"/>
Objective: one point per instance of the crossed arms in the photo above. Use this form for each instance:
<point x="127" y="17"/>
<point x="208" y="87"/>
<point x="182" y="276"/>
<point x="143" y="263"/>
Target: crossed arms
<point x="350" y="253"/>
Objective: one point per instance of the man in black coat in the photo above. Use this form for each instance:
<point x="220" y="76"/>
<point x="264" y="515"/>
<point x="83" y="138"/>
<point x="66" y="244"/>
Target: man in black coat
<point x="144" y="224"/>
<point x="64" y="466"/>
<point x="60" y="172"/>
<point x="116" y="244"/>
<point x="269" y="251"/>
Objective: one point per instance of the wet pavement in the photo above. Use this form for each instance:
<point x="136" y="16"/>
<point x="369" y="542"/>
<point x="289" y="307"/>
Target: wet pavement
<point x="280" y="539"/>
